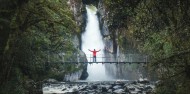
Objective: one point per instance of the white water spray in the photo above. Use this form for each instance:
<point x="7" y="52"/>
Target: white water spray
<point x="92" y="39"/>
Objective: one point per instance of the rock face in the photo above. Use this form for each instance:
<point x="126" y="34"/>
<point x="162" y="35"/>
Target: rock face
<point x="73" y="76"/>
<point x="84" y="74"/>
<point x="117" y="87"/>
<point x="77" y="7"/>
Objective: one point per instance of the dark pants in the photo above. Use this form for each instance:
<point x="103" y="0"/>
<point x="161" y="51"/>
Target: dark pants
<point x="94" y="58"/>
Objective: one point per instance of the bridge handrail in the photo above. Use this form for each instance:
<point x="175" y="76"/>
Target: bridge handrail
<point x="106" y="58"/>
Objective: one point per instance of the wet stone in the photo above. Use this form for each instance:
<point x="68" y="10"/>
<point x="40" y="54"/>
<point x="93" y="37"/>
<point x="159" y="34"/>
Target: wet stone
<point x="118" y="91"/>
<point x="110" y="91"/>
<point x="135" y="87"/>
<point x="94" y="86"/>
<point x="104" y="89"/>
<point x="116" y="87"/>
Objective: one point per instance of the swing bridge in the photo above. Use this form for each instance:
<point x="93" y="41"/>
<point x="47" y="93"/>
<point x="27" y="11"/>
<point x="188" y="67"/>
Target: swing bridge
<point x="107" y="58"/>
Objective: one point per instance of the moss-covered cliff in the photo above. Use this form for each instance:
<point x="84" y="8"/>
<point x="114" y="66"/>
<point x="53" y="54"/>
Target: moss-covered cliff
<point x="159" y="28"/>
<point x="33" y="35"/>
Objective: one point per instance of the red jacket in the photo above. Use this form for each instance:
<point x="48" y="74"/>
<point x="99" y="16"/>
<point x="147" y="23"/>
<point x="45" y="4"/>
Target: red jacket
<point x="94" y="52"/>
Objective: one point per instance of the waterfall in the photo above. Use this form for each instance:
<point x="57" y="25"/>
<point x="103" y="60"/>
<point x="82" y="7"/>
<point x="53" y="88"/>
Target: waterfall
<point x="92" y="39"/>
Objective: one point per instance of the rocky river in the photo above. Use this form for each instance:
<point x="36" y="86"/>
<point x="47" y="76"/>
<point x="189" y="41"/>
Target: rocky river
<point x="141" y="86"/>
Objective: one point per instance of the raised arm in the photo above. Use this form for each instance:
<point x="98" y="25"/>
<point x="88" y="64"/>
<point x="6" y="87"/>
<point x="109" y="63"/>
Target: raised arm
<point x="98" y="50"/>
<point x="90" y="50"/>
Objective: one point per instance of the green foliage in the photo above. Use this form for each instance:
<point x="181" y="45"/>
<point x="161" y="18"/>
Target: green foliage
<point x="15" y="84"/>
<point x="168" y="87"/>
<point x="45" y="32"/>
<point x="159" y="28"/>
<point x="40" y="31"/>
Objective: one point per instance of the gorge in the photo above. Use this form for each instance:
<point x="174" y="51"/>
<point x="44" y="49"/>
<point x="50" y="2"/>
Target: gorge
<point x="36" y="34"/>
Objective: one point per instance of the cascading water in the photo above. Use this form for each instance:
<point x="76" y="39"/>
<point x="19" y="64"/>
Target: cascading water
<point x="92" y="39"/>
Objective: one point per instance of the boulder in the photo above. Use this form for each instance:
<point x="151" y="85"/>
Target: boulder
<point x="118" y="91"/>
<point x="117" y="87"/>
<point x="94" y="86"/>
<point x="104" y="89"/>
<point x="143" y="81"/>
<point x="131" y="88"/>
